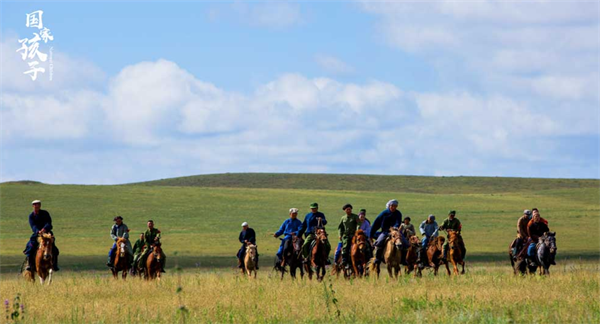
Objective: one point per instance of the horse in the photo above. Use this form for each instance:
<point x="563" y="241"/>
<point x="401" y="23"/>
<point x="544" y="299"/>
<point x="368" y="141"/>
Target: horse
<point x="411" y="255"/>
<point x="358" y="253"/>
<point x="318" y="257"/>
<point x="153" y="263"/>
<point x="250" y="260"/>
<point x="292" y="256"/>
<point x="392" y="255"/>
<point x="121" y="262"/>
<point x="434" y="253"/>
<point x="43" y="259"/>
<point x="546" y="252"/>
<point x="456" y="251"/>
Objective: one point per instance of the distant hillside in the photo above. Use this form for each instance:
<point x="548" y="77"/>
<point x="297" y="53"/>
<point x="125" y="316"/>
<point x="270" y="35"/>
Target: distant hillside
<point x="354" y="182"/>
<point x="24" y="182"/>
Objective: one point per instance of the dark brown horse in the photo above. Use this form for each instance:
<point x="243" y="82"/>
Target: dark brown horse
<point x="358" y="253"/>
<point x="434" y="254"/>
<point x="411" y="255"/>
<point x="292" y="257"/>
<point x="318" y="256"/>
<point x="154" y="262"/>
<point x="456" y="251"/>
<point x="121" y="262"/>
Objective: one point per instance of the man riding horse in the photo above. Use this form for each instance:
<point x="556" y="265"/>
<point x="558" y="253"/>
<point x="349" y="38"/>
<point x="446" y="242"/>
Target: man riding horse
<point x="119" y="230"/>
<point x="311" y="222"/>
<point x="451" y="223"/>
<point x="391" y="217"/>
<point x="151" y="236"/>
<point x="429" y="231"/>
<point x="290" y="226"/>
<point x="247" y="235"/>
<point x="536" y="228"/>
<point x="41" y="223"/>
<point x="522" y="233"/>
<point x="138" y="249"/>
<point x="346" y="229"/>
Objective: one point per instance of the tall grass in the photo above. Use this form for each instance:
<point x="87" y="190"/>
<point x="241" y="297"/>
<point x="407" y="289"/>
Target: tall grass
<point x="486" y="294"/>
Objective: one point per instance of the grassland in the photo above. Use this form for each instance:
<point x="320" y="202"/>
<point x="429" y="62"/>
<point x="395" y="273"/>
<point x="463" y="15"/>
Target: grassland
<point x="202" y="223"/>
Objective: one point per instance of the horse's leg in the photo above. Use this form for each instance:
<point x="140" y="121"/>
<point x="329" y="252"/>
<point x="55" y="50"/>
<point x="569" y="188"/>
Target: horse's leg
<point x="50" y="276"/>
<point x="454" y="268"/>
<point x="447" y="268"/>
<point x="463" y="267"/>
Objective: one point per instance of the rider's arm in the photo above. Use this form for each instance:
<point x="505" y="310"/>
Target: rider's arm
<point x="252" y="236"/>
<point x="32" y="224"/>
<point x="341" y="227"/>
<point x="125" y="232"/>
<point x="113" y="233"/>
<point x="48" y="220"/>
<point x="323" y="220"/>
<point x="303" y="227"/>
<point x="435" y="232"/>
<point x="376" y="225"/>
<point x="282" y="228"/>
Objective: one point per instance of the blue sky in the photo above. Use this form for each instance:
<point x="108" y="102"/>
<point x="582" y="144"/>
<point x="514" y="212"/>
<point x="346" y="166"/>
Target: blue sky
<point x="142" y="91"/>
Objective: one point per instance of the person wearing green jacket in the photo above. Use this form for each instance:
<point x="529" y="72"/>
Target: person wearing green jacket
<point x="151" y="236"/>
<point x="138" y="249"/>
<point x="450" y="223"/>
<point x="346" y="229"/>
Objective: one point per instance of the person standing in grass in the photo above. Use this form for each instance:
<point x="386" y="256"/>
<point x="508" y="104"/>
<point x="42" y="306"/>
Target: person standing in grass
<point x="247" y="235"/>
<point x="389" y="218"/>
<point x="346" y="229"/>
<point x="311" y="222"/>
<point x="290" y="226"/>
<point x="450" y="223"/>
<point x="119" y="230"/>
<point x="138" y="248"/>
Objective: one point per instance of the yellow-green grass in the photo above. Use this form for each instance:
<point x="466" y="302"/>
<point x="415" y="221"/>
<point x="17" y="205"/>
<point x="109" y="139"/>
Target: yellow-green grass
<point x="203" y="224"/>
<point x="486" y="294"/>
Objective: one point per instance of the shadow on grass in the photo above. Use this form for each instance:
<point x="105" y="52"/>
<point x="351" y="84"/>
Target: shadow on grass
<point x="12" y="264"/>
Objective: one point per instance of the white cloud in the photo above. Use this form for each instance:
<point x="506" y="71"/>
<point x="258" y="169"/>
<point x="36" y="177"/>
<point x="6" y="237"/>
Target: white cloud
<point x="333" y="65"/>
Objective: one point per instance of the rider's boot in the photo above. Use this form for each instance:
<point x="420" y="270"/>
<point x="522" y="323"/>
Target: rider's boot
<point x="29" y="263"/>
<point x="256" y="262"/>
<point x="376" y="254"/>
<point x="239" y="263"/>
<point x="55" y="264"/>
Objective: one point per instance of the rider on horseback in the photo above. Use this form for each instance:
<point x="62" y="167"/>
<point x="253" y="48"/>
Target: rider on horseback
<point x="536" y="228"/>
<point x="451" y="223"/>
<point x="311" y="221"/>
<point x="347" y="227"/>
<point x="118" y="230"/>
<point x="429" y="230"/>
<point x="40" y="222"/>
<point x="138" y="249"/>
<point x="522" y="233"/>
<point x="151" y="236"/>
<point x="247" y="235"/>
<point x="390" y="217"/>
<point x="290" y="226"/>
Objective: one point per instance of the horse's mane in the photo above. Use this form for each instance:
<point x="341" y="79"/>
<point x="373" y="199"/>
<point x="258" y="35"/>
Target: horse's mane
<point x="45" y="236"/>
<point x="358" y="234"/>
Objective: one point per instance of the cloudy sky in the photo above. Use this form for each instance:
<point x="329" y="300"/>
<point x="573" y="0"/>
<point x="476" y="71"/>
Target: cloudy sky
<point x="143" y="91"/>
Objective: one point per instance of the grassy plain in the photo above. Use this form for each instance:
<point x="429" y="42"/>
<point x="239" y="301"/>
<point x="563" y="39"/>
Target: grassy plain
<point x="202" y="224"/>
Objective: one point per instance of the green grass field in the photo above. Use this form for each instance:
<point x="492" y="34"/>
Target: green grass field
<point x="200" y="218"/>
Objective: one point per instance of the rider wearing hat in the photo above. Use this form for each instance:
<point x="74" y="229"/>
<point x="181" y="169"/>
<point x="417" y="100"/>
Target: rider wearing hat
<point x="119" y="230"/>
<point x="40" y="222"/>
<point x="247" y="235"/>
<point x="311" y="222"/>
<point x="407" y="228"/>
<point x="391" y="217"/>
<point x="450" y="223"/>
<point x="290" y="226"/>
<point x="346" y="229"/>
<point x="151" y="236"/>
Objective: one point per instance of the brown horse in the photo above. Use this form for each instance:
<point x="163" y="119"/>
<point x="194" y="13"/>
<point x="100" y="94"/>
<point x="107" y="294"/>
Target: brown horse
<point x="392" y="255"/>
<point x="153" y="263"/>
<point x="44" y="258"/>
<point x="121" y="262"/>
<point x="434" y="254"/>
<point x="250" y="260"/>
<point x="411" y="255"/>
<point x="318" y="257"/>
<point x="358" y="253"/>
<point x="456" y="250"/>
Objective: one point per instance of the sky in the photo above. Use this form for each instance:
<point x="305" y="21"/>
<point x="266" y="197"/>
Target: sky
<point x="150" y="90"/>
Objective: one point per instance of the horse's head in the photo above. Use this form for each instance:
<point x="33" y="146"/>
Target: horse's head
<point x="321" y="235"/>
<point x="395" y="237"/>
<point x="549" y="240"/>
<point x="414" y="240"/>
<point x="157" y="250"/>
<point x="251" y="250"/>
<point x="121" y="244"/>
<point x="297" y="242"/>
<point x="46" y="240"/>
<point x="440" y="243"/>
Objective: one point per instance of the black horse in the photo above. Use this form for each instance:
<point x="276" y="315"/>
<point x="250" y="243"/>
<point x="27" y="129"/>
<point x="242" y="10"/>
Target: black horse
<point x="292" y="257"/>
<point x="543" y="258"/>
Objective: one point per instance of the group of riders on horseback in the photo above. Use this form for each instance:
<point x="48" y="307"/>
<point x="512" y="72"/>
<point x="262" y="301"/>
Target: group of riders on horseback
<point x="134" y="258"/>
<point x="353" y="230"/>
<point x="535" y="245"/>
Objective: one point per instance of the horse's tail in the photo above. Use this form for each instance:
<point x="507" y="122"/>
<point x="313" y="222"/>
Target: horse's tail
<point x="372" y="266"/>
<point x="28" y="275"/>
